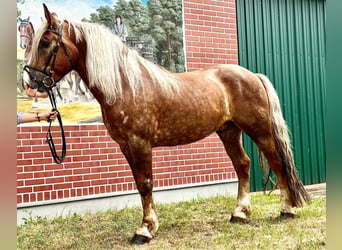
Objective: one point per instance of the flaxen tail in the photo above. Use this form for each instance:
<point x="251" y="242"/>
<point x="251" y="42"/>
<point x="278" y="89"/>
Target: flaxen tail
<point x="297" y="192"/>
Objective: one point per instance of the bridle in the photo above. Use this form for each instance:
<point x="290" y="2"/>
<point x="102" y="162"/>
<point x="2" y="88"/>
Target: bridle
<point x="47" y="83"/>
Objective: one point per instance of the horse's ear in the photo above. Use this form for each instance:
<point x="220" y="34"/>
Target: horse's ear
<point x="47" y="15"/>
<point x="28" y="19"/>
<point x="20" y="19"/>
<point x="50" y="18"/>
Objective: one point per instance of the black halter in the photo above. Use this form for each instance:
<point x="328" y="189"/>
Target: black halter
<point x="47" y="83"/>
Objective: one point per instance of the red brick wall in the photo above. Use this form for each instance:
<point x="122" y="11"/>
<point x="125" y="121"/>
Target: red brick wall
<point x="94" y="163"/>
<point x="210" y="33"/>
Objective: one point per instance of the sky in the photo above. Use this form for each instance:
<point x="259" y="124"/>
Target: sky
<point x="73" y="10"/>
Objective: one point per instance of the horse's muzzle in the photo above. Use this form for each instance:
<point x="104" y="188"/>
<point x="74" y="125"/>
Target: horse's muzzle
<point x="40" y="80"/>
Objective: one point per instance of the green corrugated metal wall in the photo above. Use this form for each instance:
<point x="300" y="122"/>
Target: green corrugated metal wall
<point x="285" y="39"/>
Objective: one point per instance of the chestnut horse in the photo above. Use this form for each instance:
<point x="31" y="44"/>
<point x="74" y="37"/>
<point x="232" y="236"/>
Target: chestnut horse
<point x="145" y="106"/>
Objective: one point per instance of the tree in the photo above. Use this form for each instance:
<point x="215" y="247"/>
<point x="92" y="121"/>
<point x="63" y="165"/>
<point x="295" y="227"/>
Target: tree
<point x="166" y="27"/>
<point x="18" y="10"/>
<point x="120" y="8"/>
<point x="137" y="18"/>
<point x="160" y="22"/>
<point x="105" y="15"/>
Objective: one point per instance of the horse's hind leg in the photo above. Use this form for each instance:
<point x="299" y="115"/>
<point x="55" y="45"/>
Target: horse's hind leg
<point x="231" y="137"/>
<point x="280" y="159"/>
<point x="268" y="147"/>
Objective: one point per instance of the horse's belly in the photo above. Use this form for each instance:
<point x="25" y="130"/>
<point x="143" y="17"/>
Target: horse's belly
<point x="184" y="131"/>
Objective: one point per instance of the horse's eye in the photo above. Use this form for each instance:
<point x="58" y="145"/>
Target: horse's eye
<point x="44" y="43"/>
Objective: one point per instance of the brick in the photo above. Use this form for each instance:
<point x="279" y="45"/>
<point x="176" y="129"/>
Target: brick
<point x="42" y="161"/>
<point x="53" y="166"/>
<point x="81" y="171"/>
<point x="33" y="197"/>
<point x="53" y="195"/>
<point x="88" y="164"/>
<point x="98" y="157"/>
<point x="39" y="196"/>
<point x="54" y="180"/>
<point x="43" y="174"/>
<point x="97" y="133"/>
<point x="24" y="175"/>
<point x="42" y="188"/>
<point x="79" y="134"/>
<point x="34" y="155"/>
<point x="98" y="145"/>
<point x="31" y="129"/>
<point x="73" y="178"/>
<point x="98" y="182"/>
<point x="80" y="146"/>
<point x="91" y="151"/>
<point x="73" y="140"/>
<point x="66" y="193"/>
<point x="91" y="177"/>
<point x="32" y="182"/>
<point x="63" y="172"/>
<point x="81" y="158"/>
<point x="24" y="190"/>
<point x="47" y="196"/>
<point x="81" y="184"/>
<point x="89" y="139"/>
<point x="26" y="198"/>
<point x="75" y="152"/>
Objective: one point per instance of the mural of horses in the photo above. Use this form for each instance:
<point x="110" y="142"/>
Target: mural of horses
<point x="145" y="106"/>
<point x="26" y="32"/>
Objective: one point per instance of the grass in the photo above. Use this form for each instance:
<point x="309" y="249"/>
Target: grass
<point x="197" y="224"/>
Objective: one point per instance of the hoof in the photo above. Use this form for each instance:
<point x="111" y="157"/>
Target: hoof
<point x="286" y="215"/>
<point x="139" y="240"/>
<point x="234" y="219"/>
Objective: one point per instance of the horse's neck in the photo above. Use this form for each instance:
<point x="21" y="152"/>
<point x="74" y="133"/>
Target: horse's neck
<point x="28" y="49"/>
<point x="27" y="53"/>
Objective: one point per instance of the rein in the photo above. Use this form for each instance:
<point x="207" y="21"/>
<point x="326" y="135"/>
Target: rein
<point x="46" y="84"/>
<point x="57" y="158"/>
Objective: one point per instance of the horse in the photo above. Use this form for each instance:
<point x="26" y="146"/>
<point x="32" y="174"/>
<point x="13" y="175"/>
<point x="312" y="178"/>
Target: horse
<point x="145" y="106"/>
<point x="26" y="32"/>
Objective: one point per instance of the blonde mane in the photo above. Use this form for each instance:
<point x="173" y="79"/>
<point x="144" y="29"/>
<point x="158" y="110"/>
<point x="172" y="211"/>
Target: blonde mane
<point x="35" y="41"/>
<point x="109" y="62"/>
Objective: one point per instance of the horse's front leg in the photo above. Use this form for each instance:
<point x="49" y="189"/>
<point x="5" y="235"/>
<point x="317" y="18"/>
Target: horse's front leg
<point x="138" y="153"/>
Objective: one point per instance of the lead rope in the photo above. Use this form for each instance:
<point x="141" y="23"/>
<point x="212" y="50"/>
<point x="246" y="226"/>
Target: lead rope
<point x="57" y="158"/>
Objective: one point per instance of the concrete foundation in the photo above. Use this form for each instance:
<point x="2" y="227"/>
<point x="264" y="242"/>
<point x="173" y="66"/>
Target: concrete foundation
<point x="123" y="200"/>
